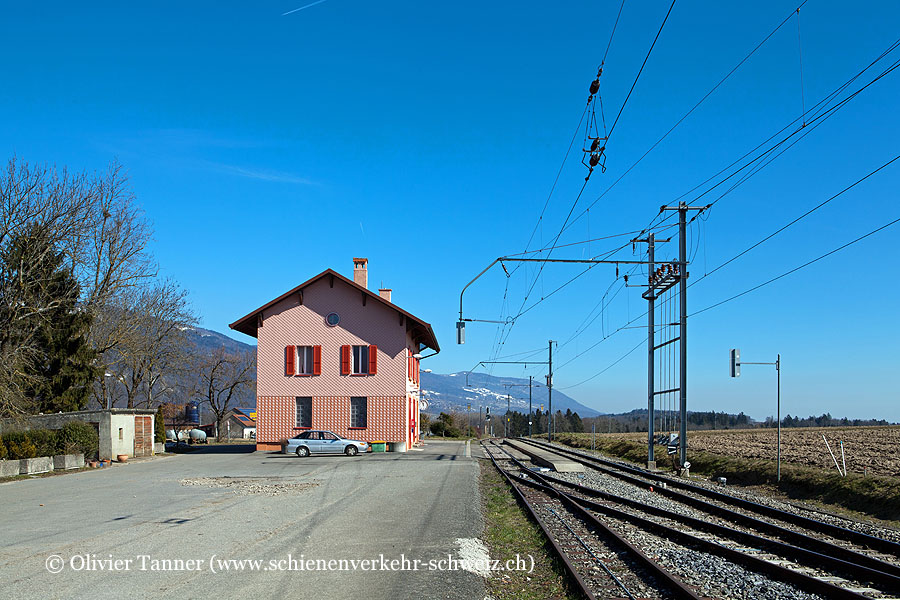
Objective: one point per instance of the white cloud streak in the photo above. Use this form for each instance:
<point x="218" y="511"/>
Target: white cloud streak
<point x="303" y="7"/>
<point x="261" y="174"/>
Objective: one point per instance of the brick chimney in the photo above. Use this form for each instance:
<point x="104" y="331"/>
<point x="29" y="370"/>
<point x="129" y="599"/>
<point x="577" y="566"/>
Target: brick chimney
<point x="385" y="293"/>
<point x="361" y="272"/>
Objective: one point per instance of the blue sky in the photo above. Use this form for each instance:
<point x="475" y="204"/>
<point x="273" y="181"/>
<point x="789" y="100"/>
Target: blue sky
<point x="268" y="147"/>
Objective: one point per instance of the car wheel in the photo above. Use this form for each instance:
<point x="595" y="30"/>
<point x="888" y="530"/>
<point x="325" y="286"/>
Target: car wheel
<point x="302" y="451"/>
<point x="350" y="451"/>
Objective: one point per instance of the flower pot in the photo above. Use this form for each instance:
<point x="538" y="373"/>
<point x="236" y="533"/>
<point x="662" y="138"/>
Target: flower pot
<point x="93" y="464"/>
<point x="122" y="457"/>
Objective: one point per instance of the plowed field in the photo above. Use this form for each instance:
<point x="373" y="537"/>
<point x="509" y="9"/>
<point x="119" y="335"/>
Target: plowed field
<point x="874" y="450"/>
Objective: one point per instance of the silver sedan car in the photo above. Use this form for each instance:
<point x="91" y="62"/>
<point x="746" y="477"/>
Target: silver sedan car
<point x="322" y="442"/>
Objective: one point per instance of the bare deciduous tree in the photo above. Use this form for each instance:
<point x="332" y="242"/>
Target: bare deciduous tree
<point x="113" y="256"/>
<point x="156" y="352"/>
<point x="220" y="376"/>
<point x="114" y="267"/>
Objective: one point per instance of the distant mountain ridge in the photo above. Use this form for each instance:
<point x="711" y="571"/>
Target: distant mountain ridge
<point x="206" y="339"/>
<point x="450" y="393"/>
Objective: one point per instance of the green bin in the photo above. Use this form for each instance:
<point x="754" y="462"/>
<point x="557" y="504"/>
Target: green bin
<point x="378" y="446"/>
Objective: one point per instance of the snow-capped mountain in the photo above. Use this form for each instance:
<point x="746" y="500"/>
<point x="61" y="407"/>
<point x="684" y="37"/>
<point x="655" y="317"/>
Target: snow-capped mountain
<point x="454" y="391"/>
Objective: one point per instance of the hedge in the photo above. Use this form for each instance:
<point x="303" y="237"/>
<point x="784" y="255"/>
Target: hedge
<point x="75" y="437"/>
<point x="79" y="437"/>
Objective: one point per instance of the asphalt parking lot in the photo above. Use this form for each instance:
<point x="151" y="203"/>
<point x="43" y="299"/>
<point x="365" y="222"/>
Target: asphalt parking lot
<point x="175" y="523"/>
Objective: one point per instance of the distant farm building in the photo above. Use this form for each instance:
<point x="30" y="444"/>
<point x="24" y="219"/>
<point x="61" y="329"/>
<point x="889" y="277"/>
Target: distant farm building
<point x="239" y="424"/>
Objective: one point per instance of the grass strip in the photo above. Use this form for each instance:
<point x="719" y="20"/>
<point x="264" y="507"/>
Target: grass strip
<point x="508" y="531"/>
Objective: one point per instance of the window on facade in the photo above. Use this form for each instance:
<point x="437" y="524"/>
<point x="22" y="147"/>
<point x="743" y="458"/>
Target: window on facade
<point x="358" y="410"/>
<point x="412" y="368"/>
<point x="304" y="411"/>
<point x="304" y="360"/>
<point x="360" y="360"/>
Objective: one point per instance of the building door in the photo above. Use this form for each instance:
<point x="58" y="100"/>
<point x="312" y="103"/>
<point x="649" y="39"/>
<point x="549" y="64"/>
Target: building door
<point x="143" y="436"/>
<point x="412" y="421"/>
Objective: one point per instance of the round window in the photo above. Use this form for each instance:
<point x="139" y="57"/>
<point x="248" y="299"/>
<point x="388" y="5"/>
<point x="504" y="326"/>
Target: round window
<point x="332" y="319"/>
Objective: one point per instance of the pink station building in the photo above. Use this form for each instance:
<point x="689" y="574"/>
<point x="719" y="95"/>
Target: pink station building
<point x="333" y="355"/>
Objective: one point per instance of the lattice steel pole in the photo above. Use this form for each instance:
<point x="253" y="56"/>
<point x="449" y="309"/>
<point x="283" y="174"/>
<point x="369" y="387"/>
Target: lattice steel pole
<point x="682" y="344"/>
<point x="651" y="341"/>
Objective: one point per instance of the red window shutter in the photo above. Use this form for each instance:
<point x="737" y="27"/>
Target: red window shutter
<point x="317" y="360"/>
<point x="373" y="360"/>
<point x="345" y="360"/>
<point x="289" y="352"/>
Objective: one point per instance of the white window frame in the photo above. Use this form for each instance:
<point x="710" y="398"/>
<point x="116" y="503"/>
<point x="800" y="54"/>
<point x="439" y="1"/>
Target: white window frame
<point x="355" y="412"/>
<point x="298" y="400"/>
<point x="304" y="354"/>
<point x="355" y="367"/>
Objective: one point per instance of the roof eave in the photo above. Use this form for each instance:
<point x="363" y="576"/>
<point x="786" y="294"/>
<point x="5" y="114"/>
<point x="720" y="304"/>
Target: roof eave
<point x="247" y="324"/>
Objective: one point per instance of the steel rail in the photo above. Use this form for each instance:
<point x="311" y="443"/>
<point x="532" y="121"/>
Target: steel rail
<point x="678" y="588"/>
<point x="862" y="539"/>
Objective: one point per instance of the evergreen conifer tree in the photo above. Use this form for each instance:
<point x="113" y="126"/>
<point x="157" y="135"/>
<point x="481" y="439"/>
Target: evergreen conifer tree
<point x="59" y="370"/>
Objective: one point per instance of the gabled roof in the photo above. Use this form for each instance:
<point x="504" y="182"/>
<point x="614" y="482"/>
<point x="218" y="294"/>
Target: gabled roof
<point x="248" y="323"/>
<point x="245" y="416"/>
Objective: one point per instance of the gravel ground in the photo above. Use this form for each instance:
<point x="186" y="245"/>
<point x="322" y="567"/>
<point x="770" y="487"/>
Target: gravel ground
<point x="715" y="577"/>
<point x="247" y="486"/>
<point x="611" y="485"/>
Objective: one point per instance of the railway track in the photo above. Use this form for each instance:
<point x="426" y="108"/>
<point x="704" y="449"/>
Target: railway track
<point x="601" y="563"/>
<point x="814" y="534"/>
<point x="685" y="539"/>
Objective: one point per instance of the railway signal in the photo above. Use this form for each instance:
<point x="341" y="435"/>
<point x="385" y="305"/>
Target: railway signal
<point x="736" y="372"/>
